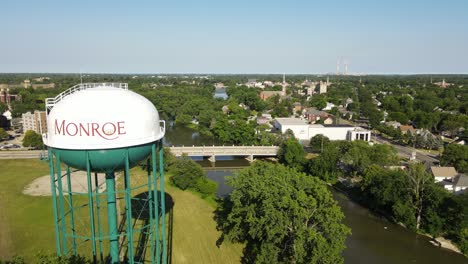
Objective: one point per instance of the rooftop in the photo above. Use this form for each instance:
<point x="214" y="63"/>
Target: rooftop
<point x="461" y="181"/>
<point x="290" y="121"/>
<point x="446" y="172"/>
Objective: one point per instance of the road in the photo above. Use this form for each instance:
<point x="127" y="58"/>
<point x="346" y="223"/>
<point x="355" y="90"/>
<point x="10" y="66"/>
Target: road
<point x="406" y="152"/>
<point x="20" y="154"/>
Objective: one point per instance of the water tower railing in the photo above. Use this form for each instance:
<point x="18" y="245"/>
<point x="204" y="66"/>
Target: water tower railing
<point x="50" y="102"/>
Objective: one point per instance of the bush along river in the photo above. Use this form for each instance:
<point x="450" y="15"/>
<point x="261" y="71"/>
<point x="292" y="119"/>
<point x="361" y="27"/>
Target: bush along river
<point x="373" y="239"/>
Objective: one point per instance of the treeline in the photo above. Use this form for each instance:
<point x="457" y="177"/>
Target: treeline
<point x="412" y="198"/>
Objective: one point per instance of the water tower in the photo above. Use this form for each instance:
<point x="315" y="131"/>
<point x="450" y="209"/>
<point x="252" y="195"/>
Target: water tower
<point x="104" y="130"/>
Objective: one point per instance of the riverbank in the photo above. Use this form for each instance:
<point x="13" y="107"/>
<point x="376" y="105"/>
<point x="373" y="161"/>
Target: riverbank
<point x="440" y="242"/>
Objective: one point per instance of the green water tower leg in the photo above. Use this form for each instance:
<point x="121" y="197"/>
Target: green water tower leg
<point x="112" y="217"/>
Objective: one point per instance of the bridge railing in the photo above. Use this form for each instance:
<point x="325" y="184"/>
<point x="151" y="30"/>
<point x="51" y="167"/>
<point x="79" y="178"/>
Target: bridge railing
<point x="224" y="150"/>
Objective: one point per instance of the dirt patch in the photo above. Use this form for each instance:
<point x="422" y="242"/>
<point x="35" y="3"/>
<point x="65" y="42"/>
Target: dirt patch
<point x="445" y="243"/>
<point x="78" y="179"/>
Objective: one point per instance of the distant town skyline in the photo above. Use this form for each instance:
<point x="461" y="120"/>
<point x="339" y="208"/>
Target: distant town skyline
<point x="236" y="37"/>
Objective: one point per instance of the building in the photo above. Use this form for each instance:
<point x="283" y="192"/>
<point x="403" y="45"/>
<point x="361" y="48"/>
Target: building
<point x="36" y="121"/>
<point x="405" y="129"/>
<point x="304" y="131"/>
<point x="328" y="121"/>
<point x="443" y="173"/>
<point x="7" y="98"/>
<point x="323" y="87"/>
<point x="313" y="115"/>
<point x="297" y="107"/>
<point x="264" y="95"/>
<point x="460" y="183"/>
<point x="219" y="85"/>
<point x="394" y="124"/>
<point x="329" y="106"/>
<point x="43" y="85"/>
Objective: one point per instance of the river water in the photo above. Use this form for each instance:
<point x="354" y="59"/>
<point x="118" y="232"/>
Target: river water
<point x="373" y="239"/>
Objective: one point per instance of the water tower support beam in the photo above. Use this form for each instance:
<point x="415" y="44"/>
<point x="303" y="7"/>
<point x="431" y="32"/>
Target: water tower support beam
<point x="54" y="201"/>
<point x="128" y="202"/>
<point x="163" y="201"/>
<point x="150" y="206"/>
<point x="72" y="215"/>
<point x="112" y="217"/>
<point x="91" y="206"/>
<point x="61" y="204"/>
<point x="156" y="205"/>
<point x="98" y="213"/>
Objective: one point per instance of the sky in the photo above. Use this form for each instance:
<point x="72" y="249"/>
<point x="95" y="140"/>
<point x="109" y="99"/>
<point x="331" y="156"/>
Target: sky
<point x="254" y="36"/>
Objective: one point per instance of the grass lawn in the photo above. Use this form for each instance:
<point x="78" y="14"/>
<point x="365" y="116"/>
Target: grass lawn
<point x="194" y="232"/>
<point x="26" y="224"/>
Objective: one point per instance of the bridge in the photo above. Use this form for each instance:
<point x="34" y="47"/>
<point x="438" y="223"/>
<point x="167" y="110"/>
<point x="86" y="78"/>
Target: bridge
<point x="194" y="151"/>
<point x="212" y="151"/>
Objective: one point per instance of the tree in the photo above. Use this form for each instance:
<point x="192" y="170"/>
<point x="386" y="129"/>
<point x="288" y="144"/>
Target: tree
<point x="318" y="142"/>
<point x="457" y="156"/>
<point x="292" y="154"/>
<point x="32" y="140"/>
<point x="282" y="216"/>
<point x="3" y="134"/>
<point x="3" y="107"/>
<point x="418" y="182"/>
<point x="186" y="173"/>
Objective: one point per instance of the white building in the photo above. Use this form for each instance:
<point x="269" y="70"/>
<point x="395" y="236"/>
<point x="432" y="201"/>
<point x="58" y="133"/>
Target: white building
<point x="28" y="122"/>
<point x="323" y="87"/>
<point x="36" y="121"/>
<point x="304" y="131"/>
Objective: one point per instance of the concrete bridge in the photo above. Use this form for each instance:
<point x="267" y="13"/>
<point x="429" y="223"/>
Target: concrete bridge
<point x="194" y="151"/>
<point x="212" y="151"/>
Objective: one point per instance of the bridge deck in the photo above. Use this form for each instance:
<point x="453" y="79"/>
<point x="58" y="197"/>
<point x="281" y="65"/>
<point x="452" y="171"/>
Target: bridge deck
<point x="225" y="150"/>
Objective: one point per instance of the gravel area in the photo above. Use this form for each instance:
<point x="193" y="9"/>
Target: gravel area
<point x="79" y="183"/>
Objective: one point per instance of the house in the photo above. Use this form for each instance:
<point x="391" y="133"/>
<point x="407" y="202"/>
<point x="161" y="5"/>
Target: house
<point x="264" y="95"/>
<point x="329" y="106"/>
<point x="267" y="116"/>
<point x="405" y="129"/>
<point x="297" y="107"/>
<point x="262" y="120"/>
<point x="313" y="115"/>
<point x="348" y="101"/>
<point x="219" y="85"/>
<point x="393" y="124"/>
<point x="225" y="109"/>
<point x="443" y="173"/>
<point x="328" y="120"/>
<point x="460" y="183"/>
<point x="345" y="113"/>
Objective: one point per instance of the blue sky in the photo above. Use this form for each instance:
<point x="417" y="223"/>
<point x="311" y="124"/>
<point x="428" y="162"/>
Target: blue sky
<point x="397" y="36"/>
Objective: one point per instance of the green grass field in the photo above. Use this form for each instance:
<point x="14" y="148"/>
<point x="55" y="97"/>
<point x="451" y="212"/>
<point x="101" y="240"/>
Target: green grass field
<point x="26" y="225"/>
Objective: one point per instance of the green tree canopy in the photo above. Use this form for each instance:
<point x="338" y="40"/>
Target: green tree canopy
<point x="186" y="173"/>
<point x="457" y="156"/>
<point x="319" y="142"/>
<point x="292" y="154"/>
<point x="283" y="216"/>
<point x="32" y="140"/>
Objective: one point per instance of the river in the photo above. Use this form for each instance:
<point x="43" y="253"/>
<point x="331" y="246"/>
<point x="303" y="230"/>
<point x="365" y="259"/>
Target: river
<point x="373" y="239"/>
